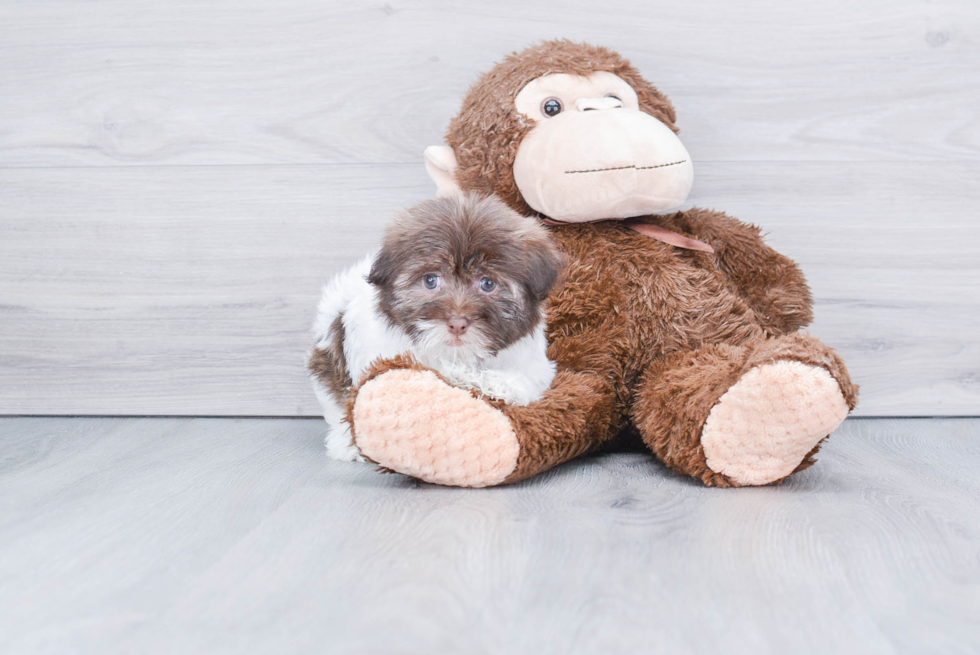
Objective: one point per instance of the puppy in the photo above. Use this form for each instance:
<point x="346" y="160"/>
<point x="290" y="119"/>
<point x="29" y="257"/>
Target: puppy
<point x="460" y="284"/>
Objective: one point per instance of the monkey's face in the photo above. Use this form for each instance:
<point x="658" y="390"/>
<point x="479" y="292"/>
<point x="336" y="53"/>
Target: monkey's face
<point x="593" y="154"/>
<point x="568" y="130"/>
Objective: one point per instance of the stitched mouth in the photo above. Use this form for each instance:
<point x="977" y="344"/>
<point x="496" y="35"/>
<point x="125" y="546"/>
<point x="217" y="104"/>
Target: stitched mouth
<point x="623" y="168"/>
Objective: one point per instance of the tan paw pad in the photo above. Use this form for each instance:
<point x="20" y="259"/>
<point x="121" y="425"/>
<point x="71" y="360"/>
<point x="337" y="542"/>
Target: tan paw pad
<point x="414" y="423"/>
<point x="767" y="422"/>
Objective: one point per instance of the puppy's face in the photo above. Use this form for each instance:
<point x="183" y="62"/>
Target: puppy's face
<point x="464" y="277"/>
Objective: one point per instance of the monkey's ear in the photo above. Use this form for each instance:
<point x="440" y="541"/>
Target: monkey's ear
<point x="440" y="164"/>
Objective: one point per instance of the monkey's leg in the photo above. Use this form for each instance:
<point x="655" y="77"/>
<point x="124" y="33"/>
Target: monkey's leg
<point x="749" y="414"/>
<point x="407" y="419"/>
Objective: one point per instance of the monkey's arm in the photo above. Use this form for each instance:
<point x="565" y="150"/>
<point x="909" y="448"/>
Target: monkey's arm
<point x="772" y="284"/>
<point x="407" y="419"/>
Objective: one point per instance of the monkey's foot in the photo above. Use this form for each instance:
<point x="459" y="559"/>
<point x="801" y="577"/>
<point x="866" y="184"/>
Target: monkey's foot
<point x="412" y="422"/>
<point x="766" y="423"/>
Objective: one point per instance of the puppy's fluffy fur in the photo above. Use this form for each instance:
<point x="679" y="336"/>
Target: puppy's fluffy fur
<point x="459" y="283"/>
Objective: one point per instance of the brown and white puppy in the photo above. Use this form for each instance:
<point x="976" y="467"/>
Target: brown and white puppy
<point x="460" y="283"/>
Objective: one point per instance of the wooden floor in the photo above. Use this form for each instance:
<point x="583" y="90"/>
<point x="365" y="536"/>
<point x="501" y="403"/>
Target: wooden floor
<point x="239" y="536"/>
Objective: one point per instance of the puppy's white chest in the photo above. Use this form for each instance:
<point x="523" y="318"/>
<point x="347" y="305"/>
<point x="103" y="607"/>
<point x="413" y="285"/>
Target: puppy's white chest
<point x="518" y="375"/>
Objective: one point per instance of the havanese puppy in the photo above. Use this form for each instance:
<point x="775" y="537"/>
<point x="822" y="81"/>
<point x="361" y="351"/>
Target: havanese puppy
<point x="460" y="284"/>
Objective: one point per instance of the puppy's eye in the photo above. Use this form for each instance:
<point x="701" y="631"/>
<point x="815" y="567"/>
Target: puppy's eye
<point x="609" y="95"/>
<point x="551" y="107"/>
<point x="431" y="281"/>
<point x="487" y="285"/>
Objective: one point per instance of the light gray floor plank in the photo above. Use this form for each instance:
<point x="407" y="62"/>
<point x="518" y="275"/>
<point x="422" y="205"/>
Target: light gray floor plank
<point x="114" y="82"/>
<point x="238" y="536"/>
<point x="190" y="290"/>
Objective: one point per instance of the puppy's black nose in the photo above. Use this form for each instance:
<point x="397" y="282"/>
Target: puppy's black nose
<point x="457" y="326"/>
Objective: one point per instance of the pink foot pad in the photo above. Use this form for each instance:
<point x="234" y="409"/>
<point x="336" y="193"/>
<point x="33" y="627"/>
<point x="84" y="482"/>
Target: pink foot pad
<point x="413" y="423"/>
<point x="767" y="422"/>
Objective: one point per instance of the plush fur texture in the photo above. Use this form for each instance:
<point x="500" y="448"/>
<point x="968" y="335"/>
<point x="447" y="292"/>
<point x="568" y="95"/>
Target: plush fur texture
<point x="461" y="285"/>
<point x="648" y="338"/>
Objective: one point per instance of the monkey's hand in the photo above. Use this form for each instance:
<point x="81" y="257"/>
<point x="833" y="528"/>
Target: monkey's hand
<point x="406" y="418"/>
<point x="771" y="283"/>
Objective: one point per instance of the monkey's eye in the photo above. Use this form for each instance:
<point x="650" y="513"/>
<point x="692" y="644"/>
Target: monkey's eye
<point x="430" y="281"/>
<point x="551" y="107"/>
<point x="487" y="285"/>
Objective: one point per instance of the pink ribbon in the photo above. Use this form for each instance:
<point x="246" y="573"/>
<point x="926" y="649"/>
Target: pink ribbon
<point x="653" y="231"/>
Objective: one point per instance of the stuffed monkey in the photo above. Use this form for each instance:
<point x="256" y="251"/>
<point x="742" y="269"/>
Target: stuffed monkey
<point x="681" y="327"/>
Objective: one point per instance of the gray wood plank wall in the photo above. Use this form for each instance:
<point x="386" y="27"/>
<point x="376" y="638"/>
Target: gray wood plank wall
<point x="177" y="179"/>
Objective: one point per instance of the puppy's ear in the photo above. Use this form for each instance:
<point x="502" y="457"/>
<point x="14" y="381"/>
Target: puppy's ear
<point x="544" y="267"/>
<point x="384" y="269"/>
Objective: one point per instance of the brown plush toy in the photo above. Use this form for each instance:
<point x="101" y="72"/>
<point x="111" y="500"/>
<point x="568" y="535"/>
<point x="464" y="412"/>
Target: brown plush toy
<point x="679" y="327"/>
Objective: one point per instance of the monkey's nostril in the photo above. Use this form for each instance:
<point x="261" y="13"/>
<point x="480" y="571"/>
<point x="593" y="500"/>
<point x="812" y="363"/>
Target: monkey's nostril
<point x="457" y="326"/>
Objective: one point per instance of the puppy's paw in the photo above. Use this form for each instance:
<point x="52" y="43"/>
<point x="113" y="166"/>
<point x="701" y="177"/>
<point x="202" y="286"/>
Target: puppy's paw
<point x="412" y="422"/>
<point x="340" y="446"/>
<point x="512" y="387"/>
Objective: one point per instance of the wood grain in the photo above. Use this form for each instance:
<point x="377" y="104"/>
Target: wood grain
<point x="255" y="82"/>
<point x="126" y="291"/>
<point x="237" y="536"/>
